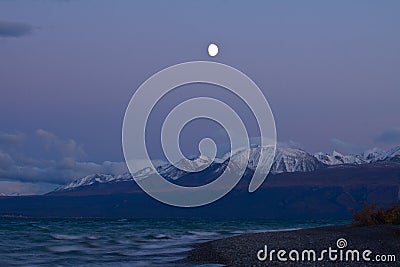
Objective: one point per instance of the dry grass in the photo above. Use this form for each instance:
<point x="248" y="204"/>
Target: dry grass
<point x="371" y="214"/>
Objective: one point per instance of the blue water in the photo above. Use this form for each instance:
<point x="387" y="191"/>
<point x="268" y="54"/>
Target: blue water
<point x="120" y="242"/>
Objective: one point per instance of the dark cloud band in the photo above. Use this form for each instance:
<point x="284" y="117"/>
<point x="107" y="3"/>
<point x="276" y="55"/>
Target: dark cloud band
<point x="14" y="29"/>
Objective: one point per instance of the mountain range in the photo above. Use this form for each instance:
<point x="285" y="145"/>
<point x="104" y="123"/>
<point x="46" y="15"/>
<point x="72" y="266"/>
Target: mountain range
<point x="300" y="185"/>
<point x="287" y="160"/>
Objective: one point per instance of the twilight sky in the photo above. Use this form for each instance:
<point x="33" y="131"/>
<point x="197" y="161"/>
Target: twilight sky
<point x="330" y="71"/>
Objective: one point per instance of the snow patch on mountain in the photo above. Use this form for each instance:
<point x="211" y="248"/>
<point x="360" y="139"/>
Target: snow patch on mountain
<point x="286" y="160"/>
<point x="337" y="158"/>
<point x="369" y="156"/>
<point x="394" y="152"/>
<point x="294" y="160"/>
<point x="95" y="178"/>
<point x="169" y="171"/>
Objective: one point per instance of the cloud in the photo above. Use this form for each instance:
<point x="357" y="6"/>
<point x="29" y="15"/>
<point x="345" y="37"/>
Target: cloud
<point x="67" y="148"/>
<point x="14" y="29"/>
<point x="347" y="147"/>
<point x="55" y="171"/>
<point x="47" y="158"/>
<point x="289" y="144"/>
<point x="11" y="139"/>
<point x="389" y="137"/>
<point x="11" y="188"/>
<point x="281" y="144"/>
<point x="5" y="161"/>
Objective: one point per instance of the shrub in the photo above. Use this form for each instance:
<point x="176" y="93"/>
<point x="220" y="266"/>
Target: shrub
<point x="372" y="215"/>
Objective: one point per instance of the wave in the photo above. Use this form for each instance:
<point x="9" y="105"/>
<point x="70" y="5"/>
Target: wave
<point x="66" y="237"/>
<point x="127" y="243"/>
<point x="198" y="233"/>
<point x="65" y="249"/>
<point x="151" y="252"/>
<point x="158" y="236"/>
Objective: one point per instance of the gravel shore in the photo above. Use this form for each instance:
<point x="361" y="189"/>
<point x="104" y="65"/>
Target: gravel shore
<point x="242" y="250"/>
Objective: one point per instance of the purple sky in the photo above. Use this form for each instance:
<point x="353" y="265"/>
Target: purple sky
<point x="330" y="71"/>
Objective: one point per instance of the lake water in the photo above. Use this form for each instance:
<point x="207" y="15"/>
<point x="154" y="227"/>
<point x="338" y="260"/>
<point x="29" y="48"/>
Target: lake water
<point x="121" y="242"/>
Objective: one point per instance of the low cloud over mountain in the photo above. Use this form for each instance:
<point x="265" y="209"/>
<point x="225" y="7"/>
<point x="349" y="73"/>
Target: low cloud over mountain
<point x="390" y="136"/>
<point x="44" y="157"/>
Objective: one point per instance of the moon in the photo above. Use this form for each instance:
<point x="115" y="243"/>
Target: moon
<point x="213" y="50"/>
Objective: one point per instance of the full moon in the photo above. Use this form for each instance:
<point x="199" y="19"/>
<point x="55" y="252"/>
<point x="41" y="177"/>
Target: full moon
<point x="212" y="50"/>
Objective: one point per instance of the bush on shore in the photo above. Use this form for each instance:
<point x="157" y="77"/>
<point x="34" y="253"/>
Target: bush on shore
<point x="373" y="215"/>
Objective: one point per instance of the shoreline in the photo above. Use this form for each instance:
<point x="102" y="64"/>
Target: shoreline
<point x="381" y="240"/>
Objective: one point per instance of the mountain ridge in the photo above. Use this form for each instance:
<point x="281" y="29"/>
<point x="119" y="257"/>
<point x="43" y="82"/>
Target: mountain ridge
<point x="287" y="160"/>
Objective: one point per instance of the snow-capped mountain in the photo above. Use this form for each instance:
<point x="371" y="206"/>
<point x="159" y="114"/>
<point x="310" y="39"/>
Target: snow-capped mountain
<point x="294" y="160"/>
<point x="369" y="156"/>
<point x="285" y="160"/>
<point x="337" y="158"/>
<point x="392" y="153"/>
<point x="373" y="154"/>
<point x="93" y="179"/>
<point x="171" y="172"/>
<point x="168" y="171"/>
